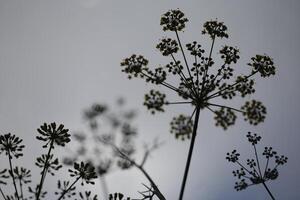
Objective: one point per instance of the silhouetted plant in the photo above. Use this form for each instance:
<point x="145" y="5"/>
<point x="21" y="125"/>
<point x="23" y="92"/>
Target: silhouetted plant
<point x="198" y="84"/>
<point x="53" y="136"/>
<point x="105" y="124"/>
<point x="255" y="173"/>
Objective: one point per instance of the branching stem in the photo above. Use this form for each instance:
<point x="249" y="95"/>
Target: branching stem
<point x="269" y="192"/>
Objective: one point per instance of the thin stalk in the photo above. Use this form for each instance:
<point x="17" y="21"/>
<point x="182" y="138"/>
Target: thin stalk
<point x="180" y="102"/>
<point x="188" y="162"/>
<point x="216" y="94"/>
<point x="155" y="188"/>
<point x="206" y="70"/>
<point x="181" y="74"/>
<point x="221" y="106"/>
<point x="12" y="174"/>
<point x="67" y="190"/>
<point x="183" y="54"/>
<point x="140" y="167"/>
<point x="266" y="167"/>
<point x="266" y="187"/>
<point x="44" y="172"/>
<point x="104" y="187"/>
<point x="258" y="166"/>
<point x="21" y="189"/>
<point x="3" y="195"/>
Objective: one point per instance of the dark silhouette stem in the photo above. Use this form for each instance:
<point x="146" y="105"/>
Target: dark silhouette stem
<point x="186" y="64"/>
<point x="141" y="168"/>
<point x="67" y="190"/>
<point x="43" y="176"/>
<point x="221" y="106"/>
<point x="266" y="187"/>
<point x="21" y="189"/>
<point x="12" y="174"/>
<point x="2" y="194"/>
<point x="104" y="186"/>
<point x="188" y="162"/>
<point x="258" y="166"/>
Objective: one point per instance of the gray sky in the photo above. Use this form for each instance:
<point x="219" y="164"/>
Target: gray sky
<point x="59" y="56"/>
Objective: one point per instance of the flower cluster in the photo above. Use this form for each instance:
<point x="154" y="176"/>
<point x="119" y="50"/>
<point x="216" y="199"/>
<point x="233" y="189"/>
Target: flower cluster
<point x="182" y="127"/>
<point x="155" y="101"/>
<point x="198" y="83"/>
<point x="22" y="174"/>
<point x="51" y="134"/>
<point x="173" y="20"/>
<point x="84" y="171"/>
<point x="50" y="163"/>
<point x="215" y="29"/>
<point x="252" y="173"/>
<point x="87" y="195"/>
<point x="11" y="145"/>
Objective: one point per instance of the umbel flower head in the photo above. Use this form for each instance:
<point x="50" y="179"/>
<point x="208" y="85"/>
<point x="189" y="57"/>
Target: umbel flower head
<point x="254" y="171"/>
<point x="52" y="164"/>
<point x="204" y="81"/>
<point x="84" y="171"/>
<point x="51" y="134"/>
<point x="22" y="174"/>
<point x="11" y="145"/>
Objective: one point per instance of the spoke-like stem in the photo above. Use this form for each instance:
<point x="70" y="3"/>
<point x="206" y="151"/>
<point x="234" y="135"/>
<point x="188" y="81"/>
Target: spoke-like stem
<point x="179" y="102"/>
<point x="43" y="176"/>
<point x="184" y="57"/>
<point x="67" y="190"/>
<point x="218" y="93"/>
<point x="3" y="195"/>
<point x="221" y="106"/>
<point x="181" y="74"/>
<point x="206" y="70"/>
<point x="12" y="174"/>
<point x="242" y="166"/>
<point x="269" y="192"/>
<point x="266" y="168"/>
<point x="104" y="186"/>
<point x="258" y="166"/>
<point x="189" y="158"/>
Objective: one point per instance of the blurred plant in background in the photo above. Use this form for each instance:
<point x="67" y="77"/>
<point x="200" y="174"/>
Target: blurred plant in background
<point x="256" y="172"/>
<point x="105" y="124"/>
<point x="202" y="82"/>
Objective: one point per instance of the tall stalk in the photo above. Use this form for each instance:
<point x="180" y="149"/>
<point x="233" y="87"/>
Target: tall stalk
<point x="12" y="175"/>
<point x="44" y="172"/>
<point x="188" y="162"/>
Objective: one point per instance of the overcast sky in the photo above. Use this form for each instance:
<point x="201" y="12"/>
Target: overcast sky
<point x="58" y="57"/>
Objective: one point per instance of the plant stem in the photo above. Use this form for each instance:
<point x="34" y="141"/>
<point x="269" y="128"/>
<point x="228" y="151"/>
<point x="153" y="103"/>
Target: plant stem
<point x="44" y="172"/>
<point x="271" y="195"/>
<point x="21" y="189"/>
<point x="104" y="186"/>
<point x="156" y="191"/>
<point x="12" y="174"/>
<point x="67" y="190"/>
<point x="2" y="194"/>
<point x="190" y="152"/>
<point x="258" y="166"/>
